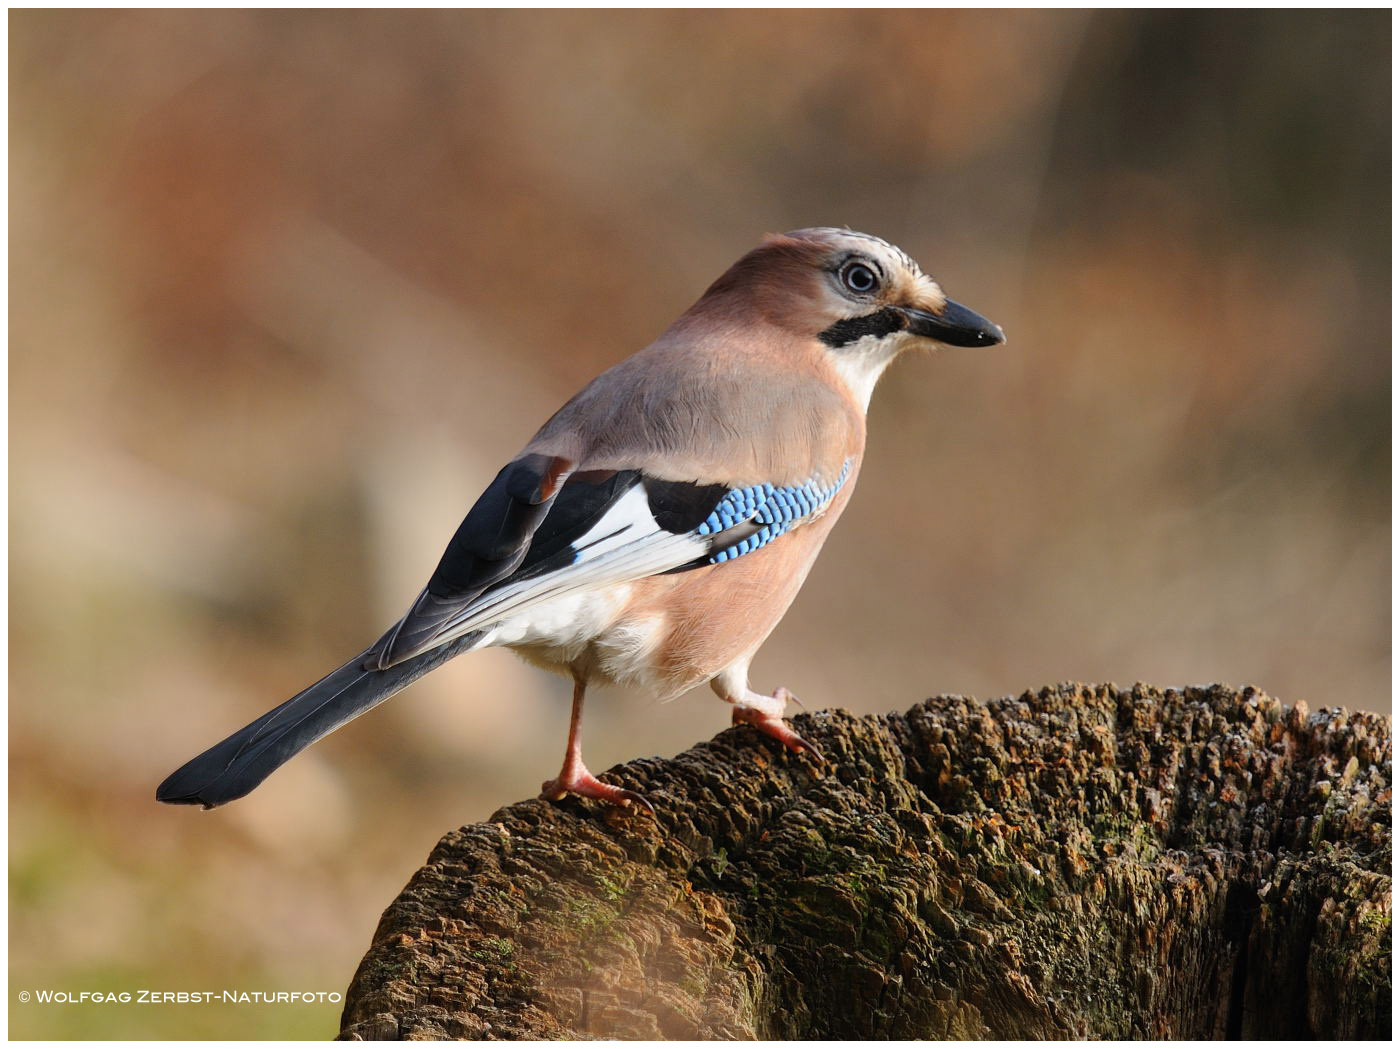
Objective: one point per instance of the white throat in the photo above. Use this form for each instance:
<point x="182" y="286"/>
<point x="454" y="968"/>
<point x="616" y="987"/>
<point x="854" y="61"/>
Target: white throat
<point x="861" y="363"/>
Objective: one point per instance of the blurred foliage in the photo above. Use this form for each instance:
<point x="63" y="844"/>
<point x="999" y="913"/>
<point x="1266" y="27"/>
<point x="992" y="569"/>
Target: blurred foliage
<point x="287" y="287"/>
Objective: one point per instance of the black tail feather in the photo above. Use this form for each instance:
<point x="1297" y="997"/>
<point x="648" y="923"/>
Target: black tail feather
<point x="231" y="769"/>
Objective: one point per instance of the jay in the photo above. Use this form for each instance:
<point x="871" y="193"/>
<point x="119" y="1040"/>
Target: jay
<point x="656" y="529"/>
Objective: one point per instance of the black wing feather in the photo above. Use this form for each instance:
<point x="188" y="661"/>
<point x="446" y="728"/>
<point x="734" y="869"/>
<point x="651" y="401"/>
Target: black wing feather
<point x="487" y="547"/>
<point x="581" y="503"/>
<point x="680" y="506"/>
<point x="495" y="535"/>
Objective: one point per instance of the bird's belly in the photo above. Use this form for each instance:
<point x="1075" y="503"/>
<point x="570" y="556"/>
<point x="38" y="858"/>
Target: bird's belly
<point x="581" y="631"/>
<point x="590" y="634"/>
<point x="558" y="631"/>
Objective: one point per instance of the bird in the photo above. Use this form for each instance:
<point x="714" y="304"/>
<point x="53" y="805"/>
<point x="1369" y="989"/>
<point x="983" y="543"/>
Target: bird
<point x="658" y="526"/>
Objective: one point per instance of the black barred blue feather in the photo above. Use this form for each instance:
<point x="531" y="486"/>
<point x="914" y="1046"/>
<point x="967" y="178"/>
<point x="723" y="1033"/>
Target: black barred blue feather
<point x="776" y="510"/>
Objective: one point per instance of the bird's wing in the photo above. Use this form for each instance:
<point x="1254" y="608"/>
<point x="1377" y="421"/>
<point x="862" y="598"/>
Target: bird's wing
<point x="542" y="530"/>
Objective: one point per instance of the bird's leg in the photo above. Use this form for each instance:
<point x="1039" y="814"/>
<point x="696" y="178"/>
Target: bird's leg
<point x="764" y="713"/>
<point x="574" y="777"/>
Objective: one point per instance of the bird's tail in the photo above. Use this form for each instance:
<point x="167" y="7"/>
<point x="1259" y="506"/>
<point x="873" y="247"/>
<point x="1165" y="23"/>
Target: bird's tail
<point x="231" y="769"/>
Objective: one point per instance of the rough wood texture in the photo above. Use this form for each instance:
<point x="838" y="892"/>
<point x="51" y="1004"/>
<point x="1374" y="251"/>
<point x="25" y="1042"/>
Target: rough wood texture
<point x="1081" y="862"/>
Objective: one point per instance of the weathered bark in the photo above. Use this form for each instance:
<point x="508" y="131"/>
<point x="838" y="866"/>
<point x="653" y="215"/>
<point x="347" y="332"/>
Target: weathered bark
<point x="1081" y="862"/>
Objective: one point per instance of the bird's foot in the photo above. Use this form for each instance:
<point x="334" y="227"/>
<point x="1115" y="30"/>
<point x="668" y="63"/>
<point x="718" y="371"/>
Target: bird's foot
<point x="766" y="714"/>
<point x="578" y="780"/>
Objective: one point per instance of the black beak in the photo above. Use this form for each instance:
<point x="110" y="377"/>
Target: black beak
<point x="955" y="326"/>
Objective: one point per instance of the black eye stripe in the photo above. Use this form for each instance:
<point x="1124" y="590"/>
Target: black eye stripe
<point x="880" y="323"/>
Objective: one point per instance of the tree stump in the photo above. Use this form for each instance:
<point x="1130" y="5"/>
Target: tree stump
<point x="1081" y="862"/>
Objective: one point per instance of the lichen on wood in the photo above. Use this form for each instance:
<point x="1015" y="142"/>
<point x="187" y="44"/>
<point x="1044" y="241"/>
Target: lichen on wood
<point x="1079" y="862"/>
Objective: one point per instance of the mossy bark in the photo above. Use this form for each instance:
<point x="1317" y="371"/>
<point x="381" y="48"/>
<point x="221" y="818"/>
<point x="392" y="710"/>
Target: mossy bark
<point x="1082" y="862"/>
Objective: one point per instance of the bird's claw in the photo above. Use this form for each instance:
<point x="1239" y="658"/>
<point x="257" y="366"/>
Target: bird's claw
<point x="586" y="785"/>
<point x="773" y="725"/>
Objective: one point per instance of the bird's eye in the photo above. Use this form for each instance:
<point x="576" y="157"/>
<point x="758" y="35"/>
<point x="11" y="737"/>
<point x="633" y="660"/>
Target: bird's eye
<point x="859" y="277"/>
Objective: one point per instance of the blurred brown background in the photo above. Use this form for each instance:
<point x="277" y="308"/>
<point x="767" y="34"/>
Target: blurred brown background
<point x="288" y="288"/>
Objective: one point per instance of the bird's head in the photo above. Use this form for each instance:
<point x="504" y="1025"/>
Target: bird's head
<point x="863" y="300"/>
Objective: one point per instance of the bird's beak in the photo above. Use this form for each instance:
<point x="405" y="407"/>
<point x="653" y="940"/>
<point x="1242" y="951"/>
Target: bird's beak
<point x="954" y="325"/>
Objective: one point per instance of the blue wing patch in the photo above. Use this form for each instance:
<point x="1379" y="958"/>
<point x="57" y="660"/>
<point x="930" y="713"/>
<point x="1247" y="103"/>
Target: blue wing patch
<point x="776" y="509"/>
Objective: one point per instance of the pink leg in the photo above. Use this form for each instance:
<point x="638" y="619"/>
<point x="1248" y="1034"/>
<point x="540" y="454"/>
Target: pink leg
<point x="765" y="713"/>
<point x="574" y="777"/>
